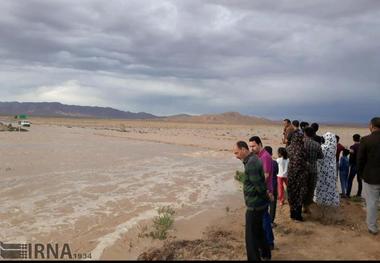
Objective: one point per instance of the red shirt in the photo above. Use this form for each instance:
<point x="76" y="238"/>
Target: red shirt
<point x="339" y="149"/>
<point x="266" y="160"/>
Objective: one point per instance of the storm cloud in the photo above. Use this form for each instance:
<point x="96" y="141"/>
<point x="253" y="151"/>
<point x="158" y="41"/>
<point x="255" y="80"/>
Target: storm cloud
<point x="315" y="60"/>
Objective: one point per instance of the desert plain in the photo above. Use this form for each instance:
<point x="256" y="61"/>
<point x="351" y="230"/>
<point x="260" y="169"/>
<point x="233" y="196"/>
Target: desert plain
<point x="97" y="184"/>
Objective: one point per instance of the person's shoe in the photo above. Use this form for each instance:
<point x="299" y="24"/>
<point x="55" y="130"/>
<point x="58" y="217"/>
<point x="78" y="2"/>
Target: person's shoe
<point x="373" y="232"/>
<point x="298" y="216"/>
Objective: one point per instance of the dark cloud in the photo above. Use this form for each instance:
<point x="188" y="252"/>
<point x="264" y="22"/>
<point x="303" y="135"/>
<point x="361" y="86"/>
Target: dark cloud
<point x="195" y="56"/>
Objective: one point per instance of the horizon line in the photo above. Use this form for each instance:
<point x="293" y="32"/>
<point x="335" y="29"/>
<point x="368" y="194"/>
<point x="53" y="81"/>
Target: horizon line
<point x="345" y="123"/>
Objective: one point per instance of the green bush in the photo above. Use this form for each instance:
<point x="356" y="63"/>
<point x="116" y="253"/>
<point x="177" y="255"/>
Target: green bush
<point x="239" y="176"/>
<point x="162" y="223"/>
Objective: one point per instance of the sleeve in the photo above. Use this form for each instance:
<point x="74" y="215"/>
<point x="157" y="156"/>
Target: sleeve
<point x="267" y="165"/>
<point x="268" y="168"/>
<point x="362" y="157"/>
<point x="352" y="149"/>
<point x="289" y="137"/>
<point x="254" y="174"/>
<point x="320" y="153"/>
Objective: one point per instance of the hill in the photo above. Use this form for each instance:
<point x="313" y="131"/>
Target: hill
<point x="223" y="118"/>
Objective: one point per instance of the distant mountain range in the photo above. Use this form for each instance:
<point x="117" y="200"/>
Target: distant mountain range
<point x="55" y="109"/>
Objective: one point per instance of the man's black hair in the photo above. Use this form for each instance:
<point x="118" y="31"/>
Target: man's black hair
<point x="315" y="126"/>
<point x="304" y="124"/>
<point x="256" y="139"/>
<point x="296" y="123"/>
<point x="376" y="122"/>
<point x="356" y="137"/>
<point x="309" y="131"/>
<point x="242" y="144"/>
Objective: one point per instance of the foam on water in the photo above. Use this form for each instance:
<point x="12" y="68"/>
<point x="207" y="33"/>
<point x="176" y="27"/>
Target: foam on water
<point x="112" y="237"/>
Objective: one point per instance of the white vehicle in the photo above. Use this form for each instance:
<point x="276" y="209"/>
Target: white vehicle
<point x="24" y="123"/>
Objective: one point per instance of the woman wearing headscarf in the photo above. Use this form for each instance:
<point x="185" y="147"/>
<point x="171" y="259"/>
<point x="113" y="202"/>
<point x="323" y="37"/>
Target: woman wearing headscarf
<point x="326" y="193"/>
<point x="296" y="175"/>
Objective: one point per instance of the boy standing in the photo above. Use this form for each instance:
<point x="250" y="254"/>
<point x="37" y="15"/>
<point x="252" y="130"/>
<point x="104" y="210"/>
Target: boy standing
<point x="344" y="168"/>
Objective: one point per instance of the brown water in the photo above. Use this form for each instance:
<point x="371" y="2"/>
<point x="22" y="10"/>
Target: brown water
<point x="70" y="185"/>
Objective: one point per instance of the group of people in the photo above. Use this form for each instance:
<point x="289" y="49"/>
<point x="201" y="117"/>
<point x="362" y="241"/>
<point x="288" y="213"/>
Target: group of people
<point x="308" y="166"/>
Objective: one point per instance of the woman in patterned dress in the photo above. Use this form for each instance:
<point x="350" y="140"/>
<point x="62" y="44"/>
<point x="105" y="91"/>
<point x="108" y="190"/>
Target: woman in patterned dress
<point x="326" y="193"/>
<point x="296" y="176"/>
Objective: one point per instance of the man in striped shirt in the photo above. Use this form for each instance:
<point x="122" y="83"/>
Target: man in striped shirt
<point x="313" y="153"/>
<point x="257" y="201"/>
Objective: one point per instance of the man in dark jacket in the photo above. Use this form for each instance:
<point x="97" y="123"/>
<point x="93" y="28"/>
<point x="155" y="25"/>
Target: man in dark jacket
<point x="256" y="199"/>
<point x="368" y="164"/>
<point x="354" y="149"/>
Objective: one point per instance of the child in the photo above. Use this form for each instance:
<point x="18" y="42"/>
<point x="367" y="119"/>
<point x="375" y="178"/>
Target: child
<point x="343" y="171"/>
<point x="282" y="177"/>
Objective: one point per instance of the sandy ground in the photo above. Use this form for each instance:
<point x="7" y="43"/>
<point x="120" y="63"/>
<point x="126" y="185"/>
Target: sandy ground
<point x="343" y="237"/>
<point x="96" y="183"/>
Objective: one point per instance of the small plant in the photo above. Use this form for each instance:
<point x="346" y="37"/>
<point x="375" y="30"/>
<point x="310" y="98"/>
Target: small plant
<point x="162" y="223"/>
<point x="142" y="231"/>
<point x="239" y="176"/>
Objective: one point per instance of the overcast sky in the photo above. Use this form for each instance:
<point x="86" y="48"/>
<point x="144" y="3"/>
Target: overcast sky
<point x="312" y="60"/>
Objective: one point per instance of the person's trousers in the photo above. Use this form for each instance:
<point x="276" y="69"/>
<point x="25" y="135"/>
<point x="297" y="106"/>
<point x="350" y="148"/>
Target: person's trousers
<point x="343" y="178"/>
<point x="372" y="193"/>
<point x="273" y="206"/>
<point x="360" y="186"/>
<point x="310" y="187"/>
<point x="296" y="212"/>
<point x="254" y="235"/>
<point x="353" y="171"/>
<point x="267" y="226"/>
<point x="280" y="188"/>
